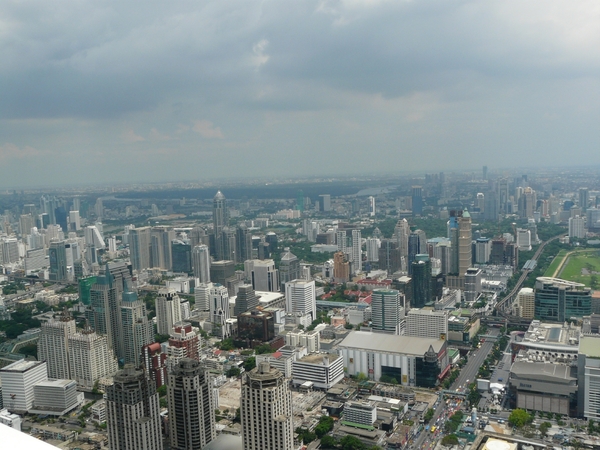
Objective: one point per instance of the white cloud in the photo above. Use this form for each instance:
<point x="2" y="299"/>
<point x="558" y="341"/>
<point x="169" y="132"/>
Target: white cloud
<point x="207" y="130"/>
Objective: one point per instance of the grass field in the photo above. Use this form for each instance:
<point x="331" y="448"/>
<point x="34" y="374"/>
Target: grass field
<point x="556" y="262"/>
<point x="583" y="266"/>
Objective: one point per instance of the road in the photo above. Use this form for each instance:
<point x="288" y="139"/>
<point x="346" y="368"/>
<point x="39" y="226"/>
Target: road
<point x="506" y="302"/>
<point x="475" y="361"/>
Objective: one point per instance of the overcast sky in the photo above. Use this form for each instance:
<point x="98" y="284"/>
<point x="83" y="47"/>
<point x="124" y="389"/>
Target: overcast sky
<point x="109" y="91"/>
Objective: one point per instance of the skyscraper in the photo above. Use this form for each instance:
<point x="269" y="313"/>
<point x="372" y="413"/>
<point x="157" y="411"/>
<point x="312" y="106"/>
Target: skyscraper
<point x="90" y="358"/>
<point x="246" y="299"/>
<point x="387" y="310"/>
<point x="139" y="248"/>
<point x="191" y="408"/>
<point x="220" y="220"/>
<point x="417" y="200"/>
<point x="421" y="281"/>
<point x="57" y="254"/>
<point x="266" y="410"/>
<point x="181" y="256"/>
<point x="300" y="297"/>
<point x="243" y="240"/>
<point x="137" y="331"/>
<point x="53" y="345"/>
<point x="289" y="267"/>
<point x="160" y="247"/>
<point x="168" y="310"/>
<point x="201" y="263"/>
<point x="465" y="254"/>
<point x="133" y="412"/>
<point x="584" y="198"/>
<point x="219" y="309"/>
<point x="356" y="253"/>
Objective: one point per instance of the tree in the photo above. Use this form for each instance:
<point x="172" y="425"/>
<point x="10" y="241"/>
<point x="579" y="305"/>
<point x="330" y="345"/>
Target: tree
<point x="324" y="426"/>
<point x="450" y="440"/>
<point x="519" y="418"/>
<point x="233" y="372"/>
<point x="328" y="442"/>
<point x="351" y="443"/>
<point x="428" y="415"/>
<point x="361" y="377"/>
<point x="249" y="363"/>
<point x="544" y="427"/>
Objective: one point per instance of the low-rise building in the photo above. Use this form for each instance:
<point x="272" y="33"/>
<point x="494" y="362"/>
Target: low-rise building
<point x="323" y="370"/>
<point x="56" y="397"/>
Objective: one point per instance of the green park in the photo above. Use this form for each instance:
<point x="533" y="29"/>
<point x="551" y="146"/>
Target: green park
<point x="581" y="266"/>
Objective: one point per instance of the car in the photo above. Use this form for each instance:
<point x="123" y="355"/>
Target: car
<point x="500" y="379"/>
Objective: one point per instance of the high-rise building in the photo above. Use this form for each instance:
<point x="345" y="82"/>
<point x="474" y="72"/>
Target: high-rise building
<point x="387" y="311"/>
<point x="325" y="202"/>
<point x="191" y="407"/>
<point x="421" y="281"/>
<point x="300" y="297"/>
<point x="266" y="410"/>
<point x="464" y="243"/>
<point x="139" y="248"/>
<point x="289" y="267"/>
<point x="181" y="256"/>
<point x="577" y="227"/>
<point x="525" y="303"/>
<point x="417" y="200"/>
<point x="356" y="253"/>
<point x="584" y="198"/>
<point x="221" y="271"/>
<point x="26" y="222"/>
<point x="184" y="342"/>
<point x="341" y="268"/>
<point x="154" y="362"/>
<point x="264" y="275"/>
<point x="390" y="257"/>
<point x="160" y="247"/>
<point x="588" y="374"/>
<point x="57" y="254"/>
<point x="168" y="310"/>
<point x="245" y="300"/>
<point x="90" y="358"/>
<point x="219" y="309"/>
<point x="133" y="412"/>
<point x="74" y="221"/>
<point x="401" y="233"/>
<point x="243" y="240"/>
<point x="201" y="263"/>
<point x="220" y="220"/>
<point x="137" y="330"/>
<point x="53" y="345"/>
<point x="414" y="248"/>
<point x="372" y="245"/>
<point x="104" y="312"/>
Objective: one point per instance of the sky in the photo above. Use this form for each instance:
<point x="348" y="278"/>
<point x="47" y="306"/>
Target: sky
<point x="128" y="91"/>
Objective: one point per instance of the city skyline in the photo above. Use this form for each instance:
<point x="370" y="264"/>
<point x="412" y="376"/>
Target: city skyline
<point x="239" y="87"/>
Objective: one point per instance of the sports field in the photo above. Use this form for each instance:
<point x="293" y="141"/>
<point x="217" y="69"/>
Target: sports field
<point x="581" y="266"/>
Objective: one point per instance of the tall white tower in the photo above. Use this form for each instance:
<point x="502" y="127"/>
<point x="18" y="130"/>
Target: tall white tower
<point x="53" y="345"/>
<point x="168" y="310"/>
<point x="201" y="263"/>
<point x="356" y="256"/>
<point x="300" y="297"/>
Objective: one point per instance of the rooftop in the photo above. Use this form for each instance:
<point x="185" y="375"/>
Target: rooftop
<point x="590" y="346"/>
<point x="391" y="343"/>
<point x="21" y="366"/>
<point x="317" y="358"/>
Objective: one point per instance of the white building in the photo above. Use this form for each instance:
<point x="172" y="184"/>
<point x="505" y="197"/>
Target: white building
<point x="588" y="362"/>
<point x="90" y="358"/>
<point x="427" y="323"/>
<point x="168" y="310"/>
<point x="356" y="253"/>
<point x="18" y="380"/>
<point x="360" y="413"/>
<point x="10" y="420"/>
<point x="53" y="345"/>
<point x="300" y="297"/>
<point x="525" y="303"/>
<point x="311" y="339"/>
<point x="201" y="263"/>
<point x="577" y="227"/>
<point x="264" y="275"/>
<point x="524" y="239"/>
<point x="56" y="397"/>
<point x="219" y="308"/>
<point x="373" y="245"/>
<point x="321" y="370"/>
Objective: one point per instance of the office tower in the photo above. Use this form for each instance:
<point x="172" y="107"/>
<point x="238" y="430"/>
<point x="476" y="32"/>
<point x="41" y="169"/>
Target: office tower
<point x="201" y="263"/>
<point x="390" y="257"/>
<point x="104" y="313"/>
<point x="53" y="345"/>
<point x="527" y="203"/>
<point x="485" y="172"/>
<point x="246" y="299"/>
<point x="266" y="410"/>
<point x="427" y="323"/>
<point x="154" y="362"/>
<point x="99" y="208"/>
<point x="93" y="242"/>
<point x="220" y="220"/>
<point x="198" y="236"/>
<point x="228" y="244"/>
<point x="202" y="296"/>
<point x="482" y="250"/>
<point x="243" y="240"/>
<point x="26" y="223"/>
<point x="558" y="300"/>
<point x="289" y="267"/>
<point x="221" y="271"/>
<point x="523" y="239"/>
<point x="48" y="206"/>
<point x="325" y="202"/>
<point x="387" y="311"/>
<point x="168" y="310"/>
<point x="74" y="221"/>
<point x="356" y="253"/>
<point x="480" y="202"/>
<point x="90" y="358"/>
<point x="137" y="330"/>
<point x="401" y="233"/>
<point x="464" y="243"/>
<point x="133" y="412"/>
<point x="341" y="241"/>
<point x="35" y="239"/>
<point x="191" y="406"/>
<point x="43" y="220"/>
<point x="181" y="256"/>
<point x="264" y="275"/>
<point x="184" y="342"/>
<point x="139" y="248"/>
<point x="472" y="284"/>
<point x="57" y="254"/>
<point x="421" y="281"/>
<point x="491" y="206"/>
<point x="525" y="303"/>
<point x="272" y="240"/>
<point x="577" y="227"/>
<point x="300" y="297"/>
<point x="218" y="298"/>
<point x="373" y="245"/>
<point x="372" y="206"/>
<point x="160" y="247"/>
<point x="341" y="268"/>
<point x="584" y="198"/>
<point x="417" y="201"/>
<point x="17" y="381"/>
